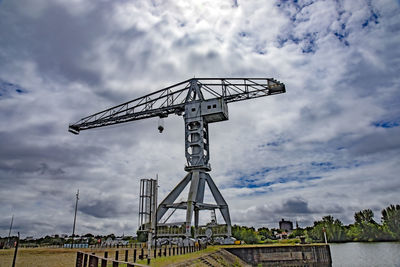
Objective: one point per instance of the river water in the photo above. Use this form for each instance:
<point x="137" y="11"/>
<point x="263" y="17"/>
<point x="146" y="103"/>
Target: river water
<point x="366" y="254"/>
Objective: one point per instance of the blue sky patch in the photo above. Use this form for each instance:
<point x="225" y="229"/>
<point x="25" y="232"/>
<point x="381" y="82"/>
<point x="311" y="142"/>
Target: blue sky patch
<point x="256" y="185"/>
<point x="319" y="164"/>
<point x="7" y="89"/>
<point x="386" y="124"/>
<point x="342" y="37"/>
<point x="373" y="18"/>
<point x="285" y="5"/>
<point x="276" y="143"/>
<point x="273" y="144"/>
<point x="282" y="41"/>
<point x="251" y="181"/>
<point x="324" y="166"/>
<point x="309" y="43"/>
<point x="284" y="180"/>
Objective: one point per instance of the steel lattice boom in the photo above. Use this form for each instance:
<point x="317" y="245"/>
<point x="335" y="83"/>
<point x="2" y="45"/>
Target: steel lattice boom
<point x="172" y="100"/>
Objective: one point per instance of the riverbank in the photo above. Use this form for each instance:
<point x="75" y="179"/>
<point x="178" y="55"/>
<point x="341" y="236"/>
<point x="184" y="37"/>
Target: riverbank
<point x="356" y="253"/>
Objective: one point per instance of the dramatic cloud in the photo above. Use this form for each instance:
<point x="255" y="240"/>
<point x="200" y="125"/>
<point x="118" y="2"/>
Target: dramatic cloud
<point x="330" y="145"/>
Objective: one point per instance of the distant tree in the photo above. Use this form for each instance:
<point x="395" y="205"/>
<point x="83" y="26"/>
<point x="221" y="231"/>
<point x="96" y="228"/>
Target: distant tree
<point x="236" y="232"/>
<point x="391" y="220"/>
<point x="112" y="236"/>
<point x="335" y="231"/>
<point x="264" y="233"/>
<point x="365" y="228"/>
<point x="297" y="232"/>
<point x="247" y="234"/>
<point x="88" y="235"/>
<point x="250" y="236"/>
<point x="364" y="216"/>
<point x="56" y="241"/>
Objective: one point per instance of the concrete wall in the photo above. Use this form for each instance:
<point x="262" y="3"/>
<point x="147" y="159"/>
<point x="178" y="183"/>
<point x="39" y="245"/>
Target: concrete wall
<point x="312" y="255"/>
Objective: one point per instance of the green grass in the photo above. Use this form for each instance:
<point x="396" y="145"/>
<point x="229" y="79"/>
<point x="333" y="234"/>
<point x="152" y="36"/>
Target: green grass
<point x="163" y="261"/>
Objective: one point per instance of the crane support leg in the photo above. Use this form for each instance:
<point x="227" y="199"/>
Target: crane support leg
<point x="220" y="201"/>
<point x="192" y="196"/>
<point x="172" y="196"/>
<point x="196" y="222"/>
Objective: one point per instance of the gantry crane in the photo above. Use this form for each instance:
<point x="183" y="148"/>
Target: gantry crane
<point x="200" y="101"/>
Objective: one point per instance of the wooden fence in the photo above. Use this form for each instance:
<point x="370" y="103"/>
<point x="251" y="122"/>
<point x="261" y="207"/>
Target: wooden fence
<point x="84" y="259"/>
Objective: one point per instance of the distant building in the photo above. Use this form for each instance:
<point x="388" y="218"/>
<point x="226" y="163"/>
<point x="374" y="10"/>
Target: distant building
<point x="286" y="226"/>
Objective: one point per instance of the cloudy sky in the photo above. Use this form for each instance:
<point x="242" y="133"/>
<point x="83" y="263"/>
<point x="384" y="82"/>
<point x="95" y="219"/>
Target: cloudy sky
<point x="330" y="145"/>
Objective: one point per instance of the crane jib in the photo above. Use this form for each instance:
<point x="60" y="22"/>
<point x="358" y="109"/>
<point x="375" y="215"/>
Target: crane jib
<point x="173" y="99"/>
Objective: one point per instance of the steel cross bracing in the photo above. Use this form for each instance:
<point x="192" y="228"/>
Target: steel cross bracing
<point x="201" y="101"/>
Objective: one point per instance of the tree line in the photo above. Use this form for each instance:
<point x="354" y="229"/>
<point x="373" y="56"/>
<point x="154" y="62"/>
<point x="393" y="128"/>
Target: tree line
<point x="57" y="240"/>
<point x="364" y="228"/>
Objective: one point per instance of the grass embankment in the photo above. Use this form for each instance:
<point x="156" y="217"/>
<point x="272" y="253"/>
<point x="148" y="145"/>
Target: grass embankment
<point x="49" y="257"/>
<point x="164" y="261"/>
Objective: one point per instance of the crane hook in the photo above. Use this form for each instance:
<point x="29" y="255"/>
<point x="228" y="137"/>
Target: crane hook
<point x="161" y="125"/>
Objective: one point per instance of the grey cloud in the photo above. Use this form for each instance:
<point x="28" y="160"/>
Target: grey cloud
<point x="106" y="207"/>
<point x="32" y="226"/>
<point x="294" y="209"/>
<point x="334" y="209"/>
<point x="45" y="169"/>
<point x="317" y="112"/>
<point x="336" y="195"/>
<point x="56" y="41"/>
<point x="381" y="141"/>
<point x="392" y="187"/>
<point x="25" y="155"/>
<point x="186" y="41"/>
<point x="294" y="206"/>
